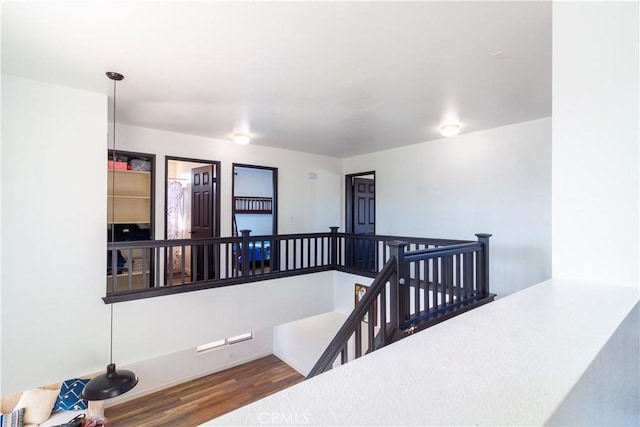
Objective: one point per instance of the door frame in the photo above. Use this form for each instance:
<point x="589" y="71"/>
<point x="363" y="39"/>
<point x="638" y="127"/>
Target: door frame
<point x="274" y="208"/>
<point x="348" y="203"/>
<point x="217" y="179"/>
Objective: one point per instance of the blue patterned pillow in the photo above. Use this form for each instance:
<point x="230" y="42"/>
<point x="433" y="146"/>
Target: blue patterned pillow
<point x="14" y="419"/>
<point x="70" y="397"/>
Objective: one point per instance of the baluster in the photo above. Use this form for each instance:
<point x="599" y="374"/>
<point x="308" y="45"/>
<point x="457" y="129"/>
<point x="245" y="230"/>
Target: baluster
<point x="145" y="262"/>
<point x="206" y="261"/>
<point x="295" y="253"/>
<point x="448" y="297"/>
<point x="114" y="271"/>
<point x="458" y="259"/>
<point x="334" y="246"/>
<point x="358" y="347"/>
<point x="468" y="274"/>
<point x="169" y="255"/>
<point x="436" y="282"/>
<point x="183" y="266"/>
<point x="399" y="297"/>
<point x="157" y="254"/>
<point x="431" y="288"/>
<point x="416" y="288"/>
<point x="371" y="336"/>
<point x="246" y="260"/>
<point x="287" y="255"/>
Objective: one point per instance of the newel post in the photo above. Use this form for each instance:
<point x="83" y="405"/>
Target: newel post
<point x="245" y="252"/>
<point x="484" y="260"/>
<point x="334" y="246"/>
<point x="399" y="296"/>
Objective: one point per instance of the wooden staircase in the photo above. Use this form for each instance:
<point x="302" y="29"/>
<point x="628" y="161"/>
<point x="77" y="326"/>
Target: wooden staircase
<point x="413" y="291"/>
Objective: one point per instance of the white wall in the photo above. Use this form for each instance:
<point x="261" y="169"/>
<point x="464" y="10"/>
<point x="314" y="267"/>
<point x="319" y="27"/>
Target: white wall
<point x="301" y="343"/>
<point x="304" y="206"/>
<point x="495" y="181"/>
<point x="165" y="371"/>
<point x="344" y="290"/>
<point x="53" y="248"/>
<point x="596" y="193"/>
<point x="54" y="180"/>
<point x="253" y="182"/>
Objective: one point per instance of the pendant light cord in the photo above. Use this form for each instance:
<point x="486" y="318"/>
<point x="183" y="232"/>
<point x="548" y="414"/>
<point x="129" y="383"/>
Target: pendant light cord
<point x="113" y="218"/>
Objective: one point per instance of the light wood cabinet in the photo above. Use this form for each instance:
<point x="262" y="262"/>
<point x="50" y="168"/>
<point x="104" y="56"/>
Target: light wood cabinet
<point x="129" y="197"/>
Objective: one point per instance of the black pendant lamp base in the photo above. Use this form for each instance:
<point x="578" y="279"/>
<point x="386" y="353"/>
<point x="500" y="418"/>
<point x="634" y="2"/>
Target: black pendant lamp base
<point x="110" y="384"/>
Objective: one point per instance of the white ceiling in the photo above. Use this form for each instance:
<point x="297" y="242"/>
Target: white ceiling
<point x="335" y="78"/>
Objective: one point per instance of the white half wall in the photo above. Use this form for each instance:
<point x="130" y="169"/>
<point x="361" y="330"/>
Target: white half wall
<point x="596" y="189"/>
<point x="495" y="181"/>
<point x="151" y="327"/>
<point x="608" y="393"/>
<point x="510" y="362"/>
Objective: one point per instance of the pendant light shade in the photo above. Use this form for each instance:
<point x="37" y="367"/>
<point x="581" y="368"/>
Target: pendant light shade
<point x="112" y="383"/>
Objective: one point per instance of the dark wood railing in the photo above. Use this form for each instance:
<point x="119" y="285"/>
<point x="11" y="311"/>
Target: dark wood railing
<point x="348" y="342"/>
<point x="414" y="290"/>
<point x="161" y="267"/>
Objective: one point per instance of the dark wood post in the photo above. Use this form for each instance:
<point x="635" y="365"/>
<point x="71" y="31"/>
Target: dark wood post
<point x="484" y="261"/>
<point x="245" y="252"/>
<point x="399" y="295"/>
<point x="334" y="246"/>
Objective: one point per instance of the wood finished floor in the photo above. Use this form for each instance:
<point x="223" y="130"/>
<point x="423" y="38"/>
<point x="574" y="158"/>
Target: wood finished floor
<point x="195" y="402"/>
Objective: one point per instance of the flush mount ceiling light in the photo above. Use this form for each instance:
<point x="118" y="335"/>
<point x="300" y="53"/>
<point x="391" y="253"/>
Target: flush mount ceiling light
<point x="241" y="138"/>
<point x="449" y="130"/>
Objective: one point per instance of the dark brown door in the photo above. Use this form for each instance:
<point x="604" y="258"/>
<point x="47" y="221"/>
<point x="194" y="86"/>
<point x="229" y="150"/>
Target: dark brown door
<point x="361" y="252"/>
<point x="364" y="206"/>
<point x="202" y="222"/>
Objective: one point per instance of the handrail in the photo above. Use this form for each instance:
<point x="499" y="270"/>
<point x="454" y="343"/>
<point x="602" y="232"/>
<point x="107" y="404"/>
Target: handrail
<point x="427" y="286"/>
<point x="431" y="253"/>
<point x="407" y="239"/>
<point x="163" y="267"/>
<point x="337" y="344"/>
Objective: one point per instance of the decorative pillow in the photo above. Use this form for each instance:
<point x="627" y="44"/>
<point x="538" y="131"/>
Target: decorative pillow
<point x="14" y="419"/>
<point x="37" y="404"/>
<point x="70" y="397"/>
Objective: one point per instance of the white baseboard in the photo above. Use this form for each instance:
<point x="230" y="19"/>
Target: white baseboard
<point x="134" y="394"/>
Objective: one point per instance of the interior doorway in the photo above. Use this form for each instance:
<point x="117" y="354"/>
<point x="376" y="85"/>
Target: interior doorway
<point x="192" y="210"/>
<point x="257" y="184"/>
<point x="255" y="207"/>
<point x="360" y="218"/>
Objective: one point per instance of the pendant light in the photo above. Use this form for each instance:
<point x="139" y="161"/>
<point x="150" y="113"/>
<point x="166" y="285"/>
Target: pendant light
<point x="112" y="383"/>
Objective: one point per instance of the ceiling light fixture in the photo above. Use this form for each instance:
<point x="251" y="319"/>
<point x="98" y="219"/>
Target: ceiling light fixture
<point x="112" y="383"/>
<point x="450" y="130"/>
<point x="241" y="138"/>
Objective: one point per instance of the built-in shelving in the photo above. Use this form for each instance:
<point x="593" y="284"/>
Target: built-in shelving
<point x="129" y="210"/>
